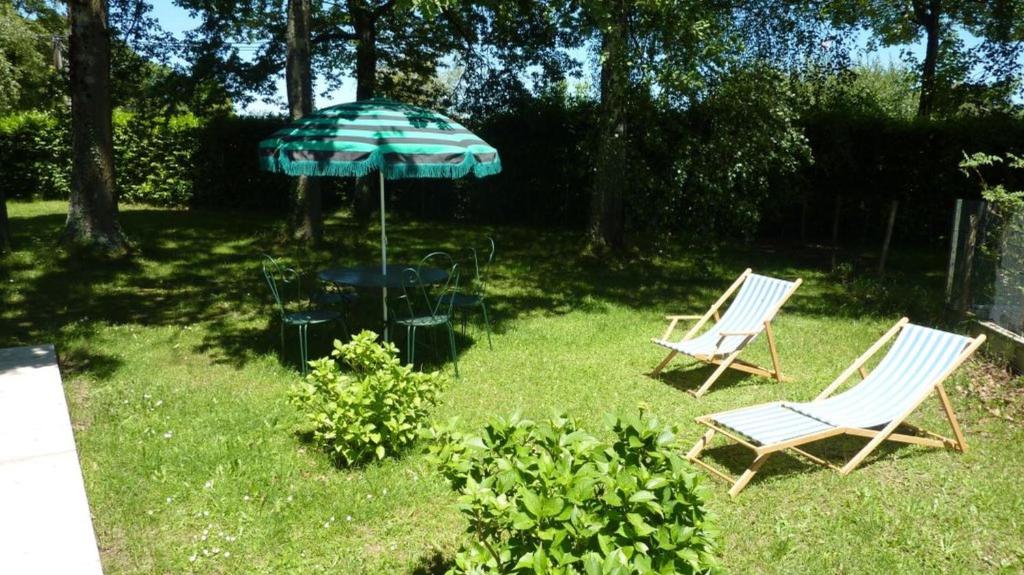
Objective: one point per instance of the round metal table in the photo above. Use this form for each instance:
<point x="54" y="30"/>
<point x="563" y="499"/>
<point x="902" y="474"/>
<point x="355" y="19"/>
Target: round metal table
<point x="370" y="276"/>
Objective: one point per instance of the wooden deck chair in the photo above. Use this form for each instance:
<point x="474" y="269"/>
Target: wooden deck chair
<point x="917" y="363"/>
<point x="757" y="302"/>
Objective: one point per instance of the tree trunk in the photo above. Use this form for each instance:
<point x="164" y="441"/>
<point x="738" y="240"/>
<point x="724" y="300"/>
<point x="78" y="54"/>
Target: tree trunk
<point x="307" y="224"/>
<point x="803" y="220"/>
<point x="890" y="224"/>
<point x="836" y="212"/>
<point x="928" y="17"/>
<point x="92" y="222"/>
<point x="606" y="200"/>
<point x="364" y="22"/>
<point x="5" y="229"/>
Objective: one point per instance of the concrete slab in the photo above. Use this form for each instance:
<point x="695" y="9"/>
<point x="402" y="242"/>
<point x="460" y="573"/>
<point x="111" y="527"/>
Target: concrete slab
<point x="45" y="523"/>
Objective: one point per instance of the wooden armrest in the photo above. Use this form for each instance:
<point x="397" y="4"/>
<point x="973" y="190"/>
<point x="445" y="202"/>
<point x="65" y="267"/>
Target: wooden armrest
<point x="731" y="333"/>
<point x="679" y="317"/>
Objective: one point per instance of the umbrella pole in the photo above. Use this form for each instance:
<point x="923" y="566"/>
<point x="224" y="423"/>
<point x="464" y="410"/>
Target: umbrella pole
<point x="383" y="256"/>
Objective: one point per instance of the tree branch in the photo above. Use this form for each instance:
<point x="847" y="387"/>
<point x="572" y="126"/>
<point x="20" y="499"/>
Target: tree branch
<point x="917" y="12"/>
<point x="383" y="9"/>
<point x="332" y="36"/>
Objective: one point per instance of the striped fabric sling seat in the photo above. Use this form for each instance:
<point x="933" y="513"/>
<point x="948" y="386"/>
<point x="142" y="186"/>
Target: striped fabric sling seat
<point x="917" y="363"/>
<point x="758" y="299"/>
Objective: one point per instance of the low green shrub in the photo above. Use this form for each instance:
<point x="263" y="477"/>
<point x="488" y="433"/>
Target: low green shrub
<point x="172" y="161"/>
<point x="154" y="158"/>
<point x="35" y="155"/>
<point x="372" y="412"/>
<point x="550" y="498"/>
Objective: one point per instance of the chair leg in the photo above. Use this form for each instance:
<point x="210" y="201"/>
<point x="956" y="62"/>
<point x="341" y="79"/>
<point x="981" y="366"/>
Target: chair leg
<point x="487" y="324"/>
<point x="774" y="351"/>
<point x="718" y="373"/>
<point x="411" y="342"/>
<point x="451" y="342"/>
<point x="948" y="408"/>
<point x="701" y="445"/>
<point x="867" y="449"/>
<point x="344" y="328"/>
<point x="663" y="363"/>
<point x="742" y="481"/>
<point x="303" y="345"/>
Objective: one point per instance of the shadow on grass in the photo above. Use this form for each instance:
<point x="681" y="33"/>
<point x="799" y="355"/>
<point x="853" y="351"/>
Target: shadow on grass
<point x="78" y="360"/>
<point x="837" y="450"/>
<point x="195" y="267"/>
<point x="433" y="564"/>
<point x="692" y="376"/>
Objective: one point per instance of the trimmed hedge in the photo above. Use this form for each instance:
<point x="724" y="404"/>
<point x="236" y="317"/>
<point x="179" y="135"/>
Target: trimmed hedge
<point x="178" y="161"/>
<point x="869" y="162"/>
<point x="35" y="156"/>
<point x="183" y="161"/>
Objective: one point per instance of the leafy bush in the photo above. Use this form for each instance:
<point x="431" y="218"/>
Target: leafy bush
<point x="174" y="161"/>
<point x="551" y="498"/>
<point x="154" y="158"/>
<point x="373" y="412"/>
<point x="35" y="155"/>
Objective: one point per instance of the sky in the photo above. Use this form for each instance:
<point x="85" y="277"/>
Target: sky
<point x="177" y="21"/>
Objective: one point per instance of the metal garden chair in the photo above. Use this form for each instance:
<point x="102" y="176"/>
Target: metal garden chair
<point x="424" y="310"/>
<point x="277" y="277"/>
<point x="469" y="299"/>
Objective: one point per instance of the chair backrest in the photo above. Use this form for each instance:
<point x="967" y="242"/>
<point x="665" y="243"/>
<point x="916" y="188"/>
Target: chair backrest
<point x="422" y="299"/>
<point x="478" y="267"/>
<point x="755" y="303"/>
<point x="915" y="363"/>
<point x="277" y="277"/>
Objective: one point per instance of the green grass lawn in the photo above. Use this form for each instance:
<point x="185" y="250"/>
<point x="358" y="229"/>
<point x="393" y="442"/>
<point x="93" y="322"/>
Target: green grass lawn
<point x="178" y="401"/>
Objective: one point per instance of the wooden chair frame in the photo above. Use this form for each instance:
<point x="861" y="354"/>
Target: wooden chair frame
<point x="887" y="433"/>
<point x="731" y="360"/>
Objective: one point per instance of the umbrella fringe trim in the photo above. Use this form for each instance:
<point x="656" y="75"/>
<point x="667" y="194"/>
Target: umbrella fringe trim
<point x="281" y="163"/>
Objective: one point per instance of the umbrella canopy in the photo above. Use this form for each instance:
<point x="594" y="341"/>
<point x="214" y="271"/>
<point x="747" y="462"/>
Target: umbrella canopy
<point x="396" y="139"/>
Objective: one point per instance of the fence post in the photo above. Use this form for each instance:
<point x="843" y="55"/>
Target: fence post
<point x="954" y="240"/>
<point x="888" y="236"/>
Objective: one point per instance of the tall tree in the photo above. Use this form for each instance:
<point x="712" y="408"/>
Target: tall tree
<point x="607" y="213"/>
<point x="661" y="49"/>
<point x="27" y="77"/>
<point x="927" y="15"/>
<point x="308" y="221"/>
<point x="5" y="226"/>
<point x="364" y="18"/>
<point x="345" y="38"/>
<point x="940" y="23"/>
<point x="92" y="221"/>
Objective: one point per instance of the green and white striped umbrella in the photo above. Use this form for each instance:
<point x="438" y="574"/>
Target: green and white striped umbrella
<point x="359" y="138"/>
<point x="395" y="140"/>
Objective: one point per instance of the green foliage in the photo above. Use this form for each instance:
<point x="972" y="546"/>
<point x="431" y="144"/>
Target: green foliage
<point x="154" y="158"/>
<point x="35" y="155"/>
<point x="749" y="143"/>
<point x="27" y="80"/>
<point x="373" y="412"/>
<point x="174" y="161"/>
<point x="998" y="272"/>
<point x="869" y="90"/>
<point x="1007" y="202"/>
<point x="865" y="162"/>
<point x="550" y="498"/>
<point x="997" y="24"/>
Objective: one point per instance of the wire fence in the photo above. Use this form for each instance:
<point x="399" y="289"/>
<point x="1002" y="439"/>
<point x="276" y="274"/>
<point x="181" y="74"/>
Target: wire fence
<point x="985" y="276"/>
